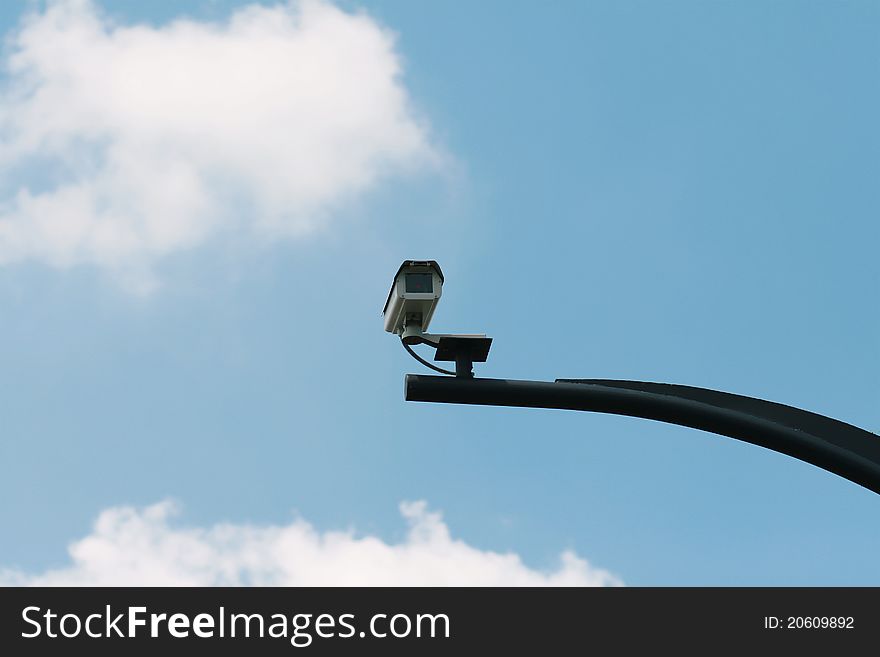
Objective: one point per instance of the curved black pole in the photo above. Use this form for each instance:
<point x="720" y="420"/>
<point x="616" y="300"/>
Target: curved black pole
<point x="832" y="445"/>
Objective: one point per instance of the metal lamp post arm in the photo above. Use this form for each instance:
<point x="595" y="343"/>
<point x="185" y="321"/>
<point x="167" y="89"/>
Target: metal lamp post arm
<point x="832" y="445"/>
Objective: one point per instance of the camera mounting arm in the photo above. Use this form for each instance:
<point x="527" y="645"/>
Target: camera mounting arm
<point x="463" y="350"/>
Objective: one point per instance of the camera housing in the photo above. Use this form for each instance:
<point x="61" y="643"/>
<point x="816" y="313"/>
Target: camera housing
<point x="414" y="294"/>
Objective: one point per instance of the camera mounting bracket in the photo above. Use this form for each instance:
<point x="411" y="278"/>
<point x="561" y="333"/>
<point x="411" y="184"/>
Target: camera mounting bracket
<point x="463" y="350"/>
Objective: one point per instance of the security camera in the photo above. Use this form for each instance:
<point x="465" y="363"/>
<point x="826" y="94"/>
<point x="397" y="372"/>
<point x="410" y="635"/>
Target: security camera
<point x="413" y="297"/>
<point x="409" y="308"/>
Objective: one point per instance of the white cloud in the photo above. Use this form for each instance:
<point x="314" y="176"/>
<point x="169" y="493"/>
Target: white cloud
<point x="138" y="547"/>
<point x="150" y="140"/>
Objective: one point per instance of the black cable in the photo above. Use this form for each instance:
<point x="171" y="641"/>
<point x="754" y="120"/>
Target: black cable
<point x="423" y="361"/>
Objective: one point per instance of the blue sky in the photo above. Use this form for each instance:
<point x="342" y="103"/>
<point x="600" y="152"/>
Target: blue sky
<point x="683" y="192"/>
